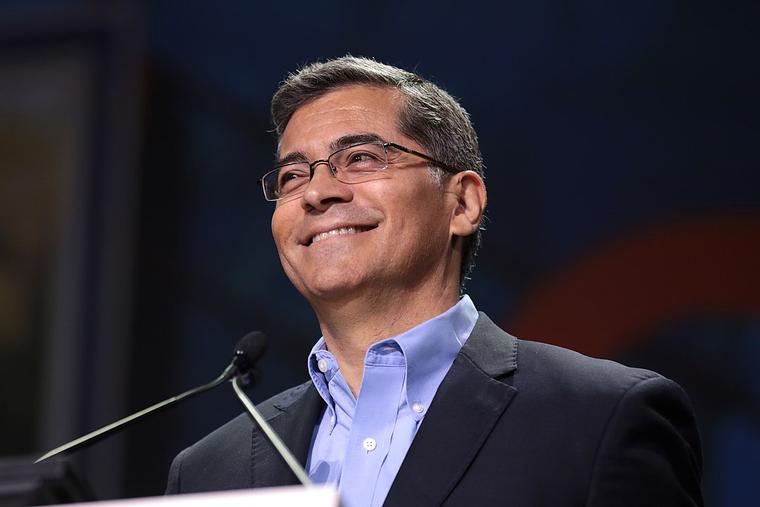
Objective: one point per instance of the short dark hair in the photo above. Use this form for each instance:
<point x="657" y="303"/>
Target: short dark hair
<point x="428" y="115"/>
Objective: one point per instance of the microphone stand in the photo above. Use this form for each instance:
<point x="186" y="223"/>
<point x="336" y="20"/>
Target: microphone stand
<point x="96" y="435"/>
<point x="278" y="444"/>
<point x="248" y="350"/>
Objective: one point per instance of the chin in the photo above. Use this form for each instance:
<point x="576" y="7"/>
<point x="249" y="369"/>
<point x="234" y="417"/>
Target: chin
<point x="332" y="291"/>
<point x="325" y="285"/>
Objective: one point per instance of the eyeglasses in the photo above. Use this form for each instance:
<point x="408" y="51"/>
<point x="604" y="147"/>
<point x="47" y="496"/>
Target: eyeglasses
<point x="352" y="164"/>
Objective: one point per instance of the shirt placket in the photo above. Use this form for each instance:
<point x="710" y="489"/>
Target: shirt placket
<point x="371" y="432"/>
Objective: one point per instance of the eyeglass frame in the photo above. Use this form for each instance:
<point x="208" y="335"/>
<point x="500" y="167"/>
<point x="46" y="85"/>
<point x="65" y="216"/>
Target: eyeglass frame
<point x="333" y="170"/>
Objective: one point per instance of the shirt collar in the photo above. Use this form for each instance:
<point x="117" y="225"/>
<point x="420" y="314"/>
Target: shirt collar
<point x="319" y="353"/>
<point x="429" y="349"/>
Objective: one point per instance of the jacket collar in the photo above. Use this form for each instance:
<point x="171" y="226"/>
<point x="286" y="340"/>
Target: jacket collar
<point x="491" y="349"/>
<point x="464" y="411"/>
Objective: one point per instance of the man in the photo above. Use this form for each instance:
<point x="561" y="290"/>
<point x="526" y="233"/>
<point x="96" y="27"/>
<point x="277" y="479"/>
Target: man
<point x="415" y="398"/>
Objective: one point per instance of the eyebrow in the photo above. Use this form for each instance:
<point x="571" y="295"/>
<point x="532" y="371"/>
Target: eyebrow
<point x="290" y="158"/>
<point x="340" y="143"/>
<point x="351" y="139"/>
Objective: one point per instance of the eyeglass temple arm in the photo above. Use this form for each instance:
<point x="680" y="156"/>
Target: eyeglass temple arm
<point x="437" y="163"/>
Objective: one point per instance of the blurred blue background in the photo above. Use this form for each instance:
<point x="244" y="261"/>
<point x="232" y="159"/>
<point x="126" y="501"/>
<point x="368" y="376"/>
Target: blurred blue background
<point x="621" y="148"/>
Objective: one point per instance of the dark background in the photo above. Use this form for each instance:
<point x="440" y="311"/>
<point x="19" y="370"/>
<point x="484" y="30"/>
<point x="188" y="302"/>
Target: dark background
<point x="621" y="148"/>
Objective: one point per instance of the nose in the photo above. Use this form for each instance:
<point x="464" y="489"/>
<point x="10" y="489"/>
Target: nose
<point x="324" y="189"/>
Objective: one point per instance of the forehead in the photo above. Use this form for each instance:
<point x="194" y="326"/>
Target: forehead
<point x="341" y="112"/>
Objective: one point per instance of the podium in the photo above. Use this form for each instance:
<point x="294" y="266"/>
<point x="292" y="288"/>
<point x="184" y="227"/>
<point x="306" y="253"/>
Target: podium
<point x="286" y="496"/>
<point x="55" y="482"/>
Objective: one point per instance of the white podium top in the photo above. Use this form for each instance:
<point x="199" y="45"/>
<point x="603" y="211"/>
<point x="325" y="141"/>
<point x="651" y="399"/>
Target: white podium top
<point x="313" y="496"/>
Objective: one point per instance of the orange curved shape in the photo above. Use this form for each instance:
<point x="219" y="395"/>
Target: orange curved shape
<point x="610" y="299"/>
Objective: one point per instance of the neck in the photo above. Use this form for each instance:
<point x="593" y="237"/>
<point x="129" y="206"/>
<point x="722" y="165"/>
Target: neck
<point x="352" y="326"/>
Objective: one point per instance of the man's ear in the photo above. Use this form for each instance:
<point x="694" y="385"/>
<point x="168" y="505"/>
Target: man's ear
<point x="468" y="189"/>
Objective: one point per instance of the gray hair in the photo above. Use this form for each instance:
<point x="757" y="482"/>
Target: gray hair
<point x="428" y="115"/>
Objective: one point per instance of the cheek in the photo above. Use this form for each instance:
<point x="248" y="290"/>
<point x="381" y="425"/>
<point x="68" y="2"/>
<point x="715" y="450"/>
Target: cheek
<point x="280" y="228"/>
<point x="419" y="217"/>
<point x="281" y="232"/>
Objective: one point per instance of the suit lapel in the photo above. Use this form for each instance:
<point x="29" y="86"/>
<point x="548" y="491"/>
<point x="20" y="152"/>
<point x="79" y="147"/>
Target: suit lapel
<point x="465" y="409"/>
<point x="294" y="422"/>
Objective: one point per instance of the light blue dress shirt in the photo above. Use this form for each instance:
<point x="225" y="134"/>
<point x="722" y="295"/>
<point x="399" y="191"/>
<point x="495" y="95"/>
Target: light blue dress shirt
<point x="359" y="444"/>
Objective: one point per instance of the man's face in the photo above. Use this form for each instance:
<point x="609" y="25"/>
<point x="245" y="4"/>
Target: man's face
<point x="388" y="234"/>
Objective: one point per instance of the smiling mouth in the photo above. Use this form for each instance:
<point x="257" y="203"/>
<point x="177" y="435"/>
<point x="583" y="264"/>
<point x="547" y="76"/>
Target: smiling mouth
<point x="341" y="231"/>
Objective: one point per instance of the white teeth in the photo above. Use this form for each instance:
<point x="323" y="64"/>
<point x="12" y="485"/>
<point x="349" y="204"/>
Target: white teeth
<point x="334" y="232"/>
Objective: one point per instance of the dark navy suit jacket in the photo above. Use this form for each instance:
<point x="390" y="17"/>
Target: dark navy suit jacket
<point x="514" y="423"/>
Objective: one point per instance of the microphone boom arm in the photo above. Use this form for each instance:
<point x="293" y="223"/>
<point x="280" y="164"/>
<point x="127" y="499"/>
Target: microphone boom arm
<point x="94" y="436"/>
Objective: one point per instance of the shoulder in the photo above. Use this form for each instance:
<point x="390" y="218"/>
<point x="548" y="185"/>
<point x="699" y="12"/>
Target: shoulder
<point x="588" y="385"/>
<point x="628" y="435"/>
<point x="599" y="389"/>
<point x="229" y="434"/>
<point x="229" y="444"/>
<point x="568" y="385"/>
<point x="544" y="365"/>
<point x="540" y="366"/>
<point x="645" y="439"/>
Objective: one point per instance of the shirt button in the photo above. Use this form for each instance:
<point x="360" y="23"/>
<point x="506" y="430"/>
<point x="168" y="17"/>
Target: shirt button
<point x="418" y="407"/>
<point x="369" y="444"/>
<point x="322" y="365"/>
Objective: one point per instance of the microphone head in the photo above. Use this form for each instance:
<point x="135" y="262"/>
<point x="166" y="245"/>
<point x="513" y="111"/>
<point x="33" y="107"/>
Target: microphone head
<point x="249" y="350"/>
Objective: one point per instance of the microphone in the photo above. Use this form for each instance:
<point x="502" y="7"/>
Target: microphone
<point x="247" y="352"/>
